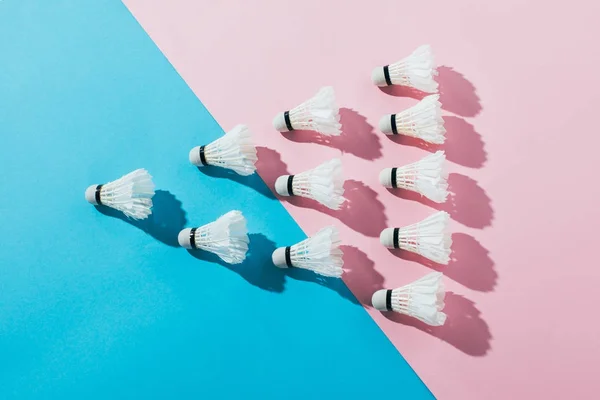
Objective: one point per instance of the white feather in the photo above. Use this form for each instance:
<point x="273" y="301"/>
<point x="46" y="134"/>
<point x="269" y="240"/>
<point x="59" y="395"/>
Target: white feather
<point x="422" y="299"/>
<point x="131" y="194"/>
<point x="320" y="253"/>
<point x="416" y="71"/>
<point x="423" y="121"/>
<point x="427" y="177"/>
<point x="324" y="184"/>
<point x="320" y="113"/>
<point x="234" y="150"/>
<point x="428" y="238"/>
<point x="226" y="237"/>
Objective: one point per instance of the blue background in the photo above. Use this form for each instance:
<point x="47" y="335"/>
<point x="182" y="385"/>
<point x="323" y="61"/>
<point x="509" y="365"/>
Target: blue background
<point x="94" y="306"/>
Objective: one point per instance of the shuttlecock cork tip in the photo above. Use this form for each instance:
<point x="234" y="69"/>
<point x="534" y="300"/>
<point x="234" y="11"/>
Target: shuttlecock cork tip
<point x="379" y="300"/>
<point x="279" y="257"/>
<point x="378" y="77"/>
<point x="385" y="124"/>
<point x="195" y="156"/>
<point x="90" y="195"/>
<point x="385" y="177"/>
<point x="279" y="123"/>
<point x="281" y="185"/>
<point x="387" y="238"/>
<point x="184" y="238"/>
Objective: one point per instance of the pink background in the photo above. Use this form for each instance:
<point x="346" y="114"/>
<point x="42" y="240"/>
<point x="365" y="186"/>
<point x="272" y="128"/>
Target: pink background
<point x="519" y="86"/>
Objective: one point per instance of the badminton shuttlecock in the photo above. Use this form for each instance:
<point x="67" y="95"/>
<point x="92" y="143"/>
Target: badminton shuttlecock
<point x="319" y="253"/>
<point x="324" y="184"/>
<point x="131" y="194"/>
<point x="415" y="71"/>
<point x="320" y="114"/>
<point x="423" y="121"/>
<point x="234" y="151"/>
<point x="427" y="238"/>
<point x="423" y="299"/>
<point x="426" y="177"/>
<point x="227" y="237"/>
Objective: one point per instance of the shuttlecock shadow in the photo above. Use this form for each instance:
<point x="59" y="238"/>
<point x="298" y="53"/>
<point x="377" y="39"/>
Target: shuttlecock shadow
<point x="464" y="329"/>
<point x="359" y="282"/>
<point x="335" y="284"/>
<point x="463" y="145"/>
<point x="360" y="274"/>
<point x="353" y="258"/>
<point x="165" y="222"/>
<point x="470" y="263"/>
<point x="467" y="202"/>
<point x="359" y="197"/>
<point x="362" y="211"/>
<point x="457" y="94"/>
<point x="403" y="91"/>
<point x="270" y="166"/>
<point x="358" y="136"/>
<point x="252" y="181"/>
<point x="257" y="269"/>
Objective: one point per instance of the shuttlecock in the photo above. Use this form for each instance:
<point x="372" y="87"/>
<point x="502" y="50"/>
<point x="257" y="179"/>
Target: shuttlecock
<point x="131" y="194"/>
<point x="227" y="237"/>
<point x="423" y="121"/>
<point x="427" y="238"/>
<point x="416" y="71"/>
<point x="319" y="253"/>
<point x="324" y="184"/>
<point x="426" y="177"/>
<point x="423" y="299"/>
<point x="320" y="114"/>
<point x="234" y="151"/>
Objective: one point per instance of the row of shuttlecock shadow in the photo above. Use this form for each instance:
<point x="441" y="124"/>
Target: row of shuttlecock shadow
<point x="227" y="237"/>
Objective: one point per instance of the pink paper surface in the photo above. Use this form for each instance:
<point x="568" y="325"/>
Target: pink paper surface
<point x="520" y="90"/>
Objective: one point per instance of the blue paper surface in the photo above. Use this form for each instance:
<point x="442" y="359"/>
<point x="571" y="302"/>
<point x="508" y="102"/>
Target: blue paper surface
<point x="94" y="306"/>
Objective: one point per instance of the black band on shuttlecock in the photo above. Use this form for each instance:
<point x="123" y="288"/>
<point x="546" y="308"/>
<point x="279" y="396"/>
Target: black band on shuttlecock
<point x="393" y="124"/>
<point x="396" y="234"/>
<point x="288" y="123"/>
<point x="386" y="74"/>
<point x="193" y="238"/>
<point x="394" y="173"/>
<point x="290" y="187"/>
<point x="97" y="194"/>
<point x="288" y="256"/>
<point x="388" y="300"/>
<point x="203" y="156"/>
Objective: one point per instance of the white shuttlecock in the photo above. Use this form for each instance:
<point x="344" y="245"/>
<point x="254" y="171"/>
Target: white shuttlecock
<point x="428" y="177"/>
<point x="320" y="114"/>
<point x="131" y="194"/>
<point x="423" y="299"/>
<point x="423" y="121"/>
<point x="324" y="184"/>
<point x="234" y="151"/>
<point x="227" y="237"/>
<point x="319" y="253"/>
<point x="416" y="71"/>
<point x="427" y="238"/>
